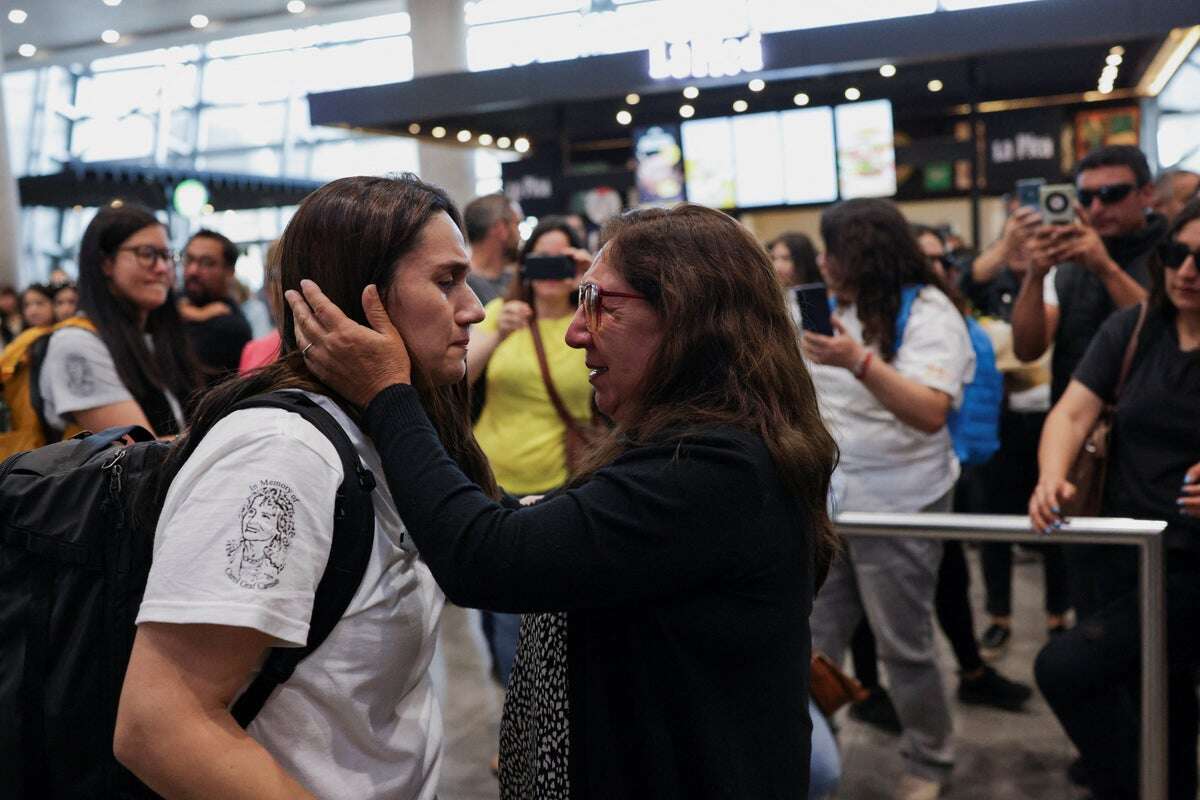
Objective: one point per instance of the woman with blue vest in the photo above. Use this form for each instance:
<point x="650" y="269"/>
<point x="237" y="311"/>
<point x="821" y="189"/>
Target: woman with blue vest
<point x="887" y="407"/>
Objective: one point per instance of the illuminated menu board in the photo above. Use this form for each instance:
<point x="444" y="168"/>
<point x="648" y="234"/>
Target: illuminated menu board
<point x="790" y="157"/>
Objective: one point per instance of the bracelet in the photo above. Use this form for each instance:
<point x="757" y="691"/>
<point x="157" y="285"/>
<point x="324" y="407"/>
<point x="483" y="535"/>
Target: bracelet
<point x="860" y="369"/>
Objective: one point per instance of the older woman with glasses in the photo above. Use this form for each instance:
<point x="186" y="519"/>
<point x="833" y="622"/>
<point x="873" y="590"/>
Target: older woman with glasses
<point x="125" y="359"/>
<point x="668" y="586"/>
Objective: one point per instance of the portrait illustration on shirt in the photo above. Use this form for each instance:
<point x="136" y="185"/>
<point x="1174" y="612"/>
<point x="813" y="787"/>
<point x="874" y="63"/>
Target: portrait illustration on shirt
<point x="267" y="522"/>
<point x="79" y="375"/>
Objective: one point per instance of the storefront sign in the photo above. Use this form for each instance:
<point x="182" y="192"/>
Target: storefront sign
<point x="709" y="57"/>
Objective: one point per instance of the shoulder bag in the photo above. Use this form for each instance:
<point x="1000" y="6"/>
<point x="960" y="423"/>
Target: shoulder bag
<point x="578" y="437"/>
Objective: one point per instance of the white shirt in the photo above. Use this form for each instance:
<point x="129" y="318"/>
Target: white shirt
<point x="243" y="539"/>
<point x="1049" y="290"/>
<point x="886" y="465"/>
<point x="78" y="374"/>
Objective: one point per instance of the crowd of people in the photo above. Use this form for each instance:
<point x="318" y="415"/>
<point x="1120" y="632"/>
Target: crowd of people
<point x="632" y="467"/>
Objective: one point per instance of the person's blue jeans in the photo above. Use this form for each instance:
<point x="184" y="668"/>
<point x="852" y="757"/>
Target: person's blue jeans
<point x="825" y="766"/>
<point x="501" y="631"/>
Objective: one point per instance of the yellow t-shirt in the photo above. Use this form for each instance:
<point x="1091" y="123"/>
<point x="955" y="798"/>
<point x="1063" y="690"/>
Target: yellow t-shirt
<point x="518" y="429"/>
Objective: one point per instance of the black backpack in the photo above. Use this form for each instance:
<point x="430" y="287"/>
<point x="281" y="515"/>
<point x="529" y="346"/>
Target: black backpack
<point x="73" y="567"/>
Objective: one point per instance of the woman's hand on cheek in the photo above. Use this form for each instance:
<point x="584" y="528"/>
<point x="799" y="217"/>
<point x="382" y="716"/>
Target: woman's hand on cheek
<point x="355" y="361"/>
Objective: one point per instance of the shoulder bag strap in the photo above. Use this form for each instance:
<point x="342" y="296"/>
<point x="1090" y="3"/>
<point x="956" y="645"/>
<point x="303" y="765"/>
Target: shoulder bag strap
<point x="555" y="399"/>
<point x="353" y="538"/>
<point x="1131" y="350"/>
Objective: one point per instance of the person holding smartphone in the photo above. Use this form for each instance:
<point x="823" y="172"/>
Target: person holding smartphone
<point x="519" y="427"/>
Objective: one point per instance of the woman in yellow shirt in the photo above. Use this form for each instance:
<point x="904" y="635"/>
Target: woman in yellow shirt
<point x="519" y="428"/>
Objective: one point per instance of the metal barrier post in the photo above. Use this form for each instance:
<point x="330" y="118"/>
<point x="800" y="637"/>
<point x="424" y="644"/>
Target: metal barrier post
<point x="1143" y="534"/>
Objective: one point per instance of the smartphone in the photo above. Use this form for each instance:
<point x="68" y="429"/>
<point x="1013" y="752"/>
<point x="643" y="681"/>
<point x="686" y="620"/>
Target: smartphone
<point x="1028" y="192"/>
<point x="813" y="300"/>
<point x="1057" y="203"/>
<point x="548" y="268"/>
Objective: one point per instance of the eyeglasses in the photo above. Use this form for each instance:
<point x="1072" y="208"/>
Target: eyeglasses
<point x="1112" y="193"/>
<point x="203" y="262"/>
<point x="1173" y="254"/>
<point x="147" y="255"/>
<point x="590" y="297"/>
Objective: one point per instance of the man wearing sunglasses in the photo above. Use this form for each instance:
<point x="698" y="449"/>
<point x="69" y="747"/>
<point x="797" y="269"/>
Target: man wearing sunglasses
<point x="1084" y="271"/>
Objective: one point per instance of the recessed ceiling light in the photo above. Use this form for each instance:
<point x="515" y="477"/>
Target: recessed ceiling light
<point x="521" y="145"/>
<point x="112" y="3"/>
<point x="757" y="85"/>
<point x="110" y="36"/>
<point x="485" y="139"/>
<point x="503" y="142"/>
<point x="687" y="111"/>
<point x="438" y="132"/>
<point x="1114" y="60"/>
<point x="853" y="94"/>
<point x="691" y="92"/>
<point x="624" y="117"/>
<point x="464" y="136"/>
<point x="935" y="85"/>
<point x="632" y="99"/>
<point x="207" y="208"/>
<point x="117" y="203"/>
<point x="800" y="99"/>
<point x="414" y="129"/>
<point x="199" y="21"/>
<point x="1116" y="50"/>
<point x="27" y="50"/>
<point x="740" y="105"/>
<point x="1105" y="88"/>
<point x="887" y="70"/>
<point x="296" y="6"/>
<point x="17" y="16"/>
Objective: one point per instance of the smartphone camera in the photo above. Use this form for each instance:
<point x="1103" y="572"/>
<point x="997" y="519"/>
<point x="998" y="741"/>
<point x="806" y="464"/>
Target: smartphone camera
<point x="1057" y="203"/>
<point x="548" y="268"/>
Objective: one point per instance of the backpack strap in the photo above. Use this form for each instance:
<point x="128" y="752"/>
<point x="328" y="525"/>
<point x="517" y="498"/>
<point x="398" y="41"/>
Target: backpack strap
<point x="353" y="539"/>
<point x="908" y="296"/>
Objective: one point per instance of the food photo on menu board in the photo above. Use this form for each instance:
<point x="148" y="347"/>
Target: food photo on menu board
<point x="659" y="164"/>
<point x="866" y="149"/>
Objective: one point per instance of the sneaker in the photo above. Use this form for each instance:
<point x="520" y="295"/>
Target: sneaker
<point x="994" y="641"/>
<point x="993" y="689"/>
<point x="915" y="787"/>
<point x="878" y="712"/>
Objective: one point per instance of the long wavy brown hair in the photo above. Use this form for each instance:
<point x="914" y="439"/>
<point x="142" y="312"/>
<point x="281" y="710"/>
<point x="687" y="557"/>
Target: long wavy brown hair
<point x="870" y="248"/>
<point x="346" y="235"/>
<point x="729" y="354"/>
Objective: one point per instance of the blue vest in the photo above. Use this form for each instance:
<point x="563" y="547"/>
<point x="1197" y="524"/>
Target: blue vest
<point x="975" y="426"/>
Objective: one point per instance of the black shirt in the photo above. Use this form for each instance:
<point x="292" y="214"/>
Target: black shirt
<point x="686" y="571"/>
<point x="1156" y="432"/>
<point x="218" y="342"/>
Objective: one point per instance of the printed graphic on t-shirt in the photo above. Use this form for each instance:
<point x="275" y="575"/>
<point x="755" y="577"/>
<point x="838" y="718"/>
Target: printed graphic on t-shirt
<point x="267" y="523"/>
<point x="79" y="375"/>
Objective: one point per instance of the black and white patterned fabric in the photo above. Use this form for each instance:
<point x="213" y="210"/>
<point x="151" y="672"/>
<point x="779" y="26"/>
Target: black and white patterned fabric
<point x="535" y="732"/>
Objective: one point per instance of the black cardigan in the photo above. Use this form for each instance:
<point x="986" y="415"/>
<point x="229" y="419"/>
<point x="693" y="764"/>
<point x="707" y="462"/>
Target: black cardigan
<point x="687" y="573"/>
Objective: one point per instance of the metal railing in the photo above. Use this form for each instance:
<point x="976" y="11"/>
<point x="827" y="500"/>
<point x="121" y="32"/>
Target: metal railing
<point x="1143" y="534"/>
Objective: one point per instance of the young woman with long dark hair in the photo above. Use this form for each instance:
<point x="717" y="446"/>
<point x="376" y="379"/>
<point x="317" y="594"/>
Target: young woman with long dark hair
<point x="886" y="394"/>
<point x="127" y="361"/>
<point x="245" y="531"/>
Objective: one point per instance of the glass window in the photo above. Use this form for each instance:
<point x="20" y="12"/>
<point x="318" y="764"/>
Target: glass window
<point x="249" y="79"/>
<point x="482" y="12"/>
<point x="255" y="43"/>
<point x="260" y="161"/>
<point x="147" y="58"/>
<point x="1182" y="93"/>
<point x="117" y="93"/>
<point x="19" y="88"/>
<point x="110" y="138"/>
<point x="366" y="156"/>
<point x="356" y="29"/>
<point x="1178" y="135"/>
<point x="241" y="126"/>
<point x="360" y="64"/>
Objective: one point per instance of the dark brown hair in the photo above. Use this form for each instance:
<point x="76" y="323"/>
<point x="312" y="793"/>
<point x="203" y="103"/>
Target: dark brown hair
<point x="144" y="371"/>
<point x="729" y="353"/>
<point x="346" y="235"/>
<point x="803" y="253"/>
<point x="869" y="247"/>
<point x="1160" y="302"/>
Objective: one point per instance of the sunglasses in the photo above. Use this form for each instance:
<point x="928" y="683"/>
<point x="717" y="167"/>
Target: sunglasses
<point x="1173" y="254"/>
<point x="1112" y="193"/>
<point x="591" y="297"/>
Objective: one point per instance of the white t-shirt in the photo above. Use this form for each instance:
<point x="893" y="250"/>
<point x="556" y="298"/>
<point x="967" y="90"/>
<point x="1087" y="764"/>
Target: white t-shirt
<point x="78" y="374"/>
<point x="1049" y="290"/>
<point x="886" y="465"/>
<point x="243" y="539"/>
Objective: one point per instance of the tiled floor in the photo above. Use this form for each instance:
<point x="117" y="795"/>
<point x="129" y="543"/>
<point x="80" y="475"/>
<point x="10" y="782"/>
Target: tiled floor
<point x="1001" y="756"/>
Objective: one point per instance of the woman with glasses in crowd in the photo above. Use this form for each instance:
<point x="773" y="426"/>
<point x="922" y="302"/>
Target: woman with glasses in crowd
<point x="1090" y="674"/>
<point x="887" y="394"/>
<point x="125" y="360"/>
<point x="667" y="589"/>
<point x="520" y="427"/>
